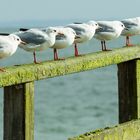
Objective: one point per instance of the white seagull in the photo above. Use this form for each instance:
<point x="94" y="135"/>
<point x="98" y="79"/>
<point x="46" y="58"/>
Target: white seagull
<point x="37" y="39"/>
<point x="133" y="26"/>
<point x="63" y="40"/>
<point x="110" y="30"/>
<point x="8" y="45"/>
<point x="84" y="32"/>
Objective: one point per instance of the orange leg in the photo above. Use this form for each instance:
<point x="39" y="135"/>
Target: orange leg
<point x="128" y="42"/>
<point x="76" y="50"/>
<point x="56" y="55"/>
<point x="35" y="60"/>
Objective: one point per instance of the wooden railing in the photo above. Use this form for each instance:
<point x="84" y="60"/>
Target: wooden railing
<point x="18" y="83"/>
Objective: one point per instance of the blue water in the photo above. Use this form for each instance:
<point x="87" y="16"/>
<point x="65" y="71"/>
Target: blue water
<point x="70" y="105"/>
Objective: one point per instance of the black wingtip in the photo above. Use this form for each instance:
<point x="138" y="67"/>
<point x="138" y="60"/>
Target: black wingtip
<point x="78" y="23"/>
<point x="23" y="29"/>
<point x="5" y="34"/>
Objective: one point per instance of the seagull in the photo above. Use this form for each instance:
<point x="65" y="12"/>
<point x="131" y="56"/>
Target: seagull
<point x="8" y="45"/>
<point x="133" y="26"/>
<point x="84" y="32"/>
<point x="110" y="30"/>
<point x="37" y="39"/>
<point x="63" y="40"/>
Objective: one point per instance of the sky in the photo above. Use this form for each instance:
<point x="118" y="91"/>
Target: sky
<point x="18" y="11"/>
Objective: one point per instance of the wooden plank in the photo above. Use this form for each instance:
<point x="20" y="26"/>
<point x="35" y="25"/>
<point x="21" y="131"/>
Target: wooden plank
<point x="19" y="112"/>
<point x="29" y="111"/>
<point x="129" y="90"/>
<point x="48" y="69"/>
<point x="125" y="131"/>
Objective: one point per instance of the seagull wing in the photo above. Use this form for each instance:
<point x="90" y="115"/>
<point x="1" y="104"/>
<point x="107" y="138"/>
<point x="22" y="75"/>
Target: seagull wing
<point x="78" y="29"/>
<point x="78" y="23"/>
<point x="105" y="28"/>
<point x="129" y="23"/>
<point x="33" y="36"/>
<point x="60" y="37"/>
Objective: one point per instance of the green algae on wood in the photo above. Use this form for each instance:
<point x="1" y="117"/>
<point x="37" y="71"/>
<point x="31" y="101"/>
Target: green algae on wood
<point x="29" y="110"/>
<point x="31" y="72"/>
<point x="125" y="131"/>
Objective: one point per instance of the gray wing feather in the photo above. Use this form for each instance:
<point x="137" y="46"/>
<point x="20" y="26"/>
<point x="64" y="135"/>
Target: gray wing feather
<point x="129" y="24"/>
<point x="60" y="37"/>
<point x="78" y="23"/>
<point x="78" y="30"/>
<point x="30" y="37"/>
<point x="104" y="28"/>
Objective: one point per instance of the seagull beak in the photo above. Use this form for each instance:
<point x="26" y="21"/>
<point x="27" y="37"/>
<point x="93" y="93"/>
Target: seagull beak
<point x="24" y="43"/>
<point x="99" y="27"/>
<point x="126" y="29"/>
<point x="77" y="37"/>
<point x="60" y="33"/>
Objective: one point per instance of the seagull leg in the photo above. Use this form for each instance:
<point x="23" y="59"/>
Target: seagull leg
<point x="105" y="48"/>
<point x="102" y="44"/>
<point x="76" y="50"/>
<point x="55" y="54"/>
<point x="35" y="61"/>
<point x="128" y="41"/>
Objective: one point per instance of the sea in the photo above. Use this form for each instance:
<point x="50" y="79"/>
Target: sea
<point x="70" y="105"/>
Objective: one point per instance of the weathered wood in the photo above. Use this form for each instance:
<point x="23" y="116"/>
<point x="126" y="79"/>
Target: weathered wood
<point x="126" y="131"/>
<point x="129" y="90"/>
<point x="48" y="69"/>
<point x="18" y="112"/>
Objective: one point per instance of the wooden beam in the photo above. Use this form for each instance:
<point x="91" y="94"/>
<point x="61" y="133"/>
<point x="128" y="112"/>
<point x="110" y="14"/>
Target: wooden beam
<point x="129" y="90"/>
<point x="31" y="72"/>
<point x="125" y="131"/>
<point x="19" y="112"/>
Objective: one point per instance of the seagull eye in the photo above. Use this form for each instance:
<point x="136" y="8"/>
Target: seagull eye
<point x="17" y="39"/>
<point x="122" y="25"/>
<point x="54" y="30"/>
<point x="96" y="24"/>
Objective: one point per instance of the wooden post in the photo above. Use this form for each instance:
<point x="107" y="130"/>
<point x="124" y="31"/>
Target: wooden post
<point x="19" y="112"/>
<point x="129" y="90"/>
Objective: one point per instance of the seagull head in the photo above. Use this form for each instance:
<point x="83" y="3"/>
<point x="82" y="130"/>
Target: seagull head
<point x="120" y="25"/>
<point x="54" y="31"/>
<point x="94" y="24"/>
<point x="16" y="39"/>
<point x="51" y="30"/>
